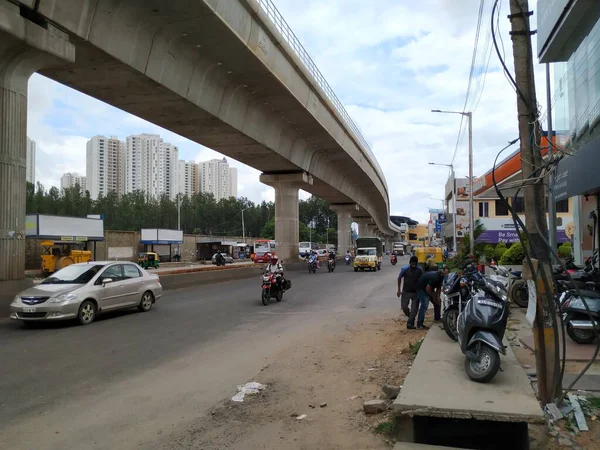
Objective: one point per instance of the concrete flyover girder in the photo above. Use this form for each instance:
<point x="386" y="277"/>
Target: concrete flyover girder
<point x="344" y="220"/>
<point x="221" y="74"/>
<point x="287" y="232"/>
<point x="25" y="48"/>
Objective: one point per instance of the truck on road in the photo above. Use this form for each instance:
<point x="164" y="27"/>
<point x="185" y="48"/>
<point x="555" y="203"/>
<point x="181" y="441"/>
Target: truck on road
<point x="369" y="254"/>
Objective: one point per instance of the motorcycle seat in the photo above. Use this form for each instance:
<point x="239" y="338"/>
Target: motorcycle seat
<point x="589" y="294"/>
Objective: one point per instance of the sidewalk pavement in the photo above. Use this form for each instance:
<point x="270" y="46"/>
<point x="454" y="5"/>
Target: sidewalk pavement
<point x="437" y="386"/>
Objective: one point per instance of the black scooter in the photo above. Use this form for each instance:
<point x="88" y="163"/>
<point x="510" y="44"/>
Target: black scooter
<point x="580" y="327"/>
<point x="481" y="327"/>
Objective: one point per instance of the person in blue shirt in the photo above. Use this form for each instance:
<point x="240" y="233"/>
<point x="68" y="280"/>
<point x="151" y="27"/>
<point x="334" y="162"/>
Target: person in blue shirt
<point x="407" y="287"/>
<point x="428" y="290"/>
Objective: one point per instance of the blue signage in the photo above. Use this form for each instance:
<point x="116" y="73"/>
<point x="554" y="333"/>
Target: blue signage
<point x="438" y="226"/>
<point x="442" y="218"/>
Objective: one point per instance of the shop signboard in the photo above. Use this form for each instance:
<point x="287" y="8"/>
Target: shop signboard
<point x="499" y="230"/>
<point x="463" y="213"/>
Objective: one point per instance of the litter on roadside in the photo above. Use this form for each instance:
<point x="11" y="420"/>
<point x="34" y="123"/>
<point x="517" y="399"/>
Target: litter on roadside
<point x="579" y="417"/>
<point x="303" y="416"/>
<point x="247" y="389"/>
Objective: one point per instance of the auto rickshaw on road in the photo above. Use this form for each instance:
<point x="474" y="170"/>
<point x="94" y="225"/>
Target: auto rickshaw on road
<point x="148" y="260"/>
<point x="434" y="254"/>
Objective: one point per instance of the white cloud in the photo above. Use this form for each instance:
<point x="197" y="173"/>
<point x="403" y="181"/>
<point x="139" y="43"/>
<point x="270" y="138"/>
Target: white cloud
<point x="390" y="62"/>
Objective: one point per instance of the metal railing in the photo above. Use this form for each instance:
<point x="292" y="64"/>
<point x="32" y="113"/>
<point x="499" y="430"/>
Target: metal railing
<point x="286" y="32"/>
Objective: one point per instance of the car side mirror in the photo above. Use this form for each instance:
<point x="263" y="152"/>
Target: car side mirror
<point x="105" y="281"/>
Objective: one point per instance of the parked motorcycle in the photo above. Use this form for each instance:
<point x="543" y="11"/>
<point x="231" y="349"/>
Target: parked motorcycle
<point x="393" y="259"/>
<point x="481" y="327"/>
<point x="272" y="289"/>
<point x="580" y="327"/>
<point x="455" y="294"/>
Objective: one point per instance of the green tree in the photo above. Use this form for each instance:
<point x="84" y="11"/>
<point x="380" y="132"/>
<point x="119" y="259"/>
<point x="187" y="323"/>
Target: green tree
<point x="565" y="250"/>
<point x="499" y="251"/>
<point x="514" y="255"/>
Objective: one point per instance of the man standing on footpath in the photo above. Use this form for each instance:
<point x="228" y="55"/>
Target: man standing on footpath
<point x="428" y="289"/>
<point x="407" y="286"/>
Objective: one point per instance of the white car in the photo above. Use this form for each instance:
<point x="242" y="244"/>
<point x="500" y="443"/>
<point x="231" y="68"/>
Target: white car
<point x="82" y="291"/>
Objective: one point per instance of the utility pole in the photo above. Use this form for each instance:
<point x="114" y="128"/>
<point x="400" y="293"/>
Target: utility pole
<point x="543" y="331"/>
<point x="551" y="204"/>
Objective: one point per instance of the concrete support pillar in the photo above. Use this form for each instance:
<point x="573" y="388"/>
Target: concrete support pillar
<point x="287" y="225"/>
<point x="362" y="223"/>
<point x="24" y="49"/>
<point x="344" y="219"/>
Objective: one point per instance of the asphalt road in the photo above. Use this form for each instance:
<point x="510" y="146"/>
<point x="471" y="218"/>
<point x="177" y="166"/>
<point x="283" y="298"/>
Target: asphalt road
<point x="129" y="377"/>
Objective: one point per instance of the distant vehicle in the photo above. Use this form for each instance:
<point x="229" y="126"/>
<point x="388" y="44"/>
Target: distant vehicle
<point x="304" y="249"/>
<point x="323" y="254"/>
<point x="82" y="291"/>
<point x="261" y="248"/>
<point x="398" y="247"/>
<point x="228" y="258"/>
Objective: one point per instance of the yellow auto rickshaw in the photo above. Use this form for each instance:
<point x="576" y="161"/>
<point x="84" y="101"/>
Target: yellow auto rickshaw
<point x="429" y="254"/>
<point x="148" y="260"/>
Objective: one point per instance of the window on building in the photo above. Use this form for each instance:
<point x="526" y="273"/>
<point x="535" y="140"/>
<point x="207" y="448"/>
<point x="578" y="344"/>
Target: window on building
<point x="484" y="209"/>
<point x="518" y="205"/>
<point x="501" y="208"/>
<point x="562" y="206"/>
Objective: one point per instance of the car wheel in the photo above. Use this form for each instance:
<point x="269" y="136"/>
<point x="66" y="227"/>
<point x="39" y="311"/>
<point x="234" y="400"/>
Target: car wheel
<point x="356" y="269"/>
<point x="146" y="302"/>
<point x="87" y="312"/>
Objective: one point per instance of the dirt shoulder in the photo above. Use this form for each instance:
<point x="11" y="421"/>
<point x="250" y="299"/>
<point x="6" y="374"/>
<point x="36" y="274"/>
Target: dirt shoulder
<point x="326" y="378"/>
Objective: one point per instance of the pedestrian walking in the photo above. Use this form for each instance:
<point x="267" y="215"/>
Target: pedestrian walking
<point x="407" y="288"/>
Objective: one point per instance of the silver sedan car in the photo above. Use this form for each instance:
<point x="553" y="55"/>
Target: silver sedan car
<point x="82" y="291"/>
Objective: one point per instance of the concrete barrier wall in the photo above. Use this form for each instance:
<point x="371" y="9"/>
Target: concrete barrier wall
<point x="169" y="282"/>
<point x="116" y="244"/>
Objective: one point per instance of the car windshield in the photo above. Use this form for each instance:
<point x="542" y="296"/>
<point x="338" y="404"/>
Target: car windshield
<point x="73" y="275"/>
<point x="366" y="252"/>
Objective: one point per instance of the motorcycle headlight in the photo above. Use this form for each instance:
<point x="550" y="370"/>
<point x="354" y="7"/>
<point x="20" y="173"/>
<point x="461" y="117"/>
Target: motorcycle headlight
<point x="64" y="298"/>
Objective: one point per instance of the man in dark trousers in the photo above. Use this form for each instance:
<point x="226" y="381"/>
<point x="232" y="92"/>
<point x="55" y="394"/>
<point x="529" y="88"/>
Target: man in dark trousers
<point x="428" y="290"/>
<point x="407" y="286"/>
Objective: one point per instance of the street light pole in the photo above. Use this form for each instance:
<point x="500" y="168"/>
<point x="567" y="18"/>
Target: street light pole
<point x="454" y="247"/>
<point x="243" y="226"/>
<point x="468" y="115"/>
<point x="471" y="203"/>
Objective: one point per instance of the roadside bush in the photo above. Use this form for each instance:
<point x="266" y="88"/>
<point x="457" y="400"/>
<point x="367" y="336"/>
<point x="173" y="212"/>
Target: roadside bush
<point x="488" y="252"/>
<point x="565" y="250"/>
<point x="514" y="255"/>
<point x="499" y="251"/>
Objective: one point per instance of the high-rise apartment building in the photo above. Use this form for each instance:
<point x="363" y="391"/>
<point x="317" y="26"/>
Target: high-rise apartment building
<point x="188" y="177"/>
<point x="151" y="166"/>
<point x="104" y="166"/>
<point x="217" y="178"/>
<point x="71" y="179"/>
<point x="30" y="162"/>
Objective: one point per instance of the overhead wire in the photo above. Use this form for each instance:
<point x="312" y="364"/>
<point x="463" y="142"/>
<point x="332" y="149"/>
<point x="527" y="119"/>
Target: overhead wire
<point x="472" y="69"/>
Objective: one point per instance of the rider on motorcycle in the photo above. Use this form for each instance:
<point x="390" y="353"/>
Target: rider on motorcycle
<point x="276" y="268"/>
<point x="331" y="257"/>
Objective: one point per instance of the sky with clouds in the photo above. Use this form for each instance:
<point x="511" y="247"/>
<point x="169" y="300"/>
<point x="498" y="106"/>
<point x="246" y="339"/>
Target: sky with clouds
<point x="389" y="61"/>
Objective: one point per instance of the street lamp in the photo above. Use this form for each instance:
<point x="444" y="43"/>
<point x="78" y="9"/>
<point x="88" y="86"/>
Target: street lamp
<point x="243" y="226"/>
<point x="454" y="247"/>
<point x="468" y="115"/>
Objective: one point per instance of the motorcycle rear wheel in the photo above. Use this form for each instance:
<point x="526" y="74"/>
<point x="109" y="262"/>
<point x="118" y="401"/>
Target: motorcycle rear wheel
<point x="450" y="323"/>
<point x="265" y="297"/>
<point x="580" y="336"/>
<point x="486" y="368"/>
<point x="519" y="293"/>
